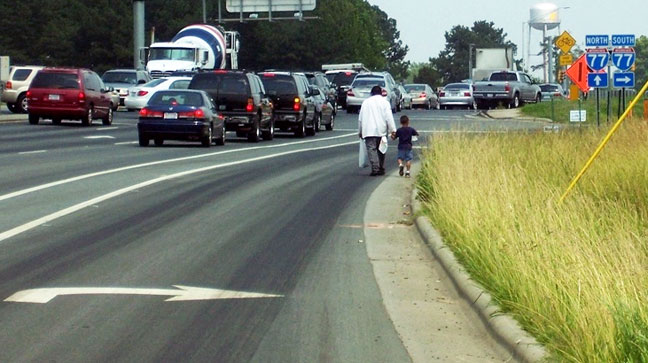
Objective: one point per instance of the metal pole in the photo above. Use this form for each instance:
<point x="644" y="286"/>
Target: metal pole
<point x="609" y="95"/>
<point x="270" y="10"/>
<point x="545" y="54"/>
<point x="220" y="14"/>
<point x="241" y="14"/>
<point x="470" y="46"/>
<point x="138" y="32"/>
<point x="524" y="61"/>
<point x="550" y="65"/>
<point x="598" y="109"/>
<point x="204" y="6"/>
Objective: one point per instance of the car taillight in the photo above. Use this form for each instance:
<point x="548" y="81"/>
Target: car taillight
<point x="350" y="93"/>
<point x="145" y="112"/>
<point x="423" y="95"/>
<point x="199" y="113"/>
<point x="82" y="97"/>
<point x="441" y="94"/>
<point x="142" y="93"/>
<point x="384" y="92"/>
<point x="8" y="85"/>
<point x="466" y="94"/>
<point x="297" y="104"/>
<point x="29" y="93"/>
<point x="220" y="71"/>
<point x="557" y="94"/>
<point x="507" y="87"/>
<point x="250" y="105"/>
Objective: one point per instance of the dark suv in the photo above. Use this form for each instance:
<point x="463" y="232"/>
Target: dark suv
<point x="294" y="107"/>
<point x="341" y="80"/>
<point x="69" y="93"/>
<point x="241" y="99"/>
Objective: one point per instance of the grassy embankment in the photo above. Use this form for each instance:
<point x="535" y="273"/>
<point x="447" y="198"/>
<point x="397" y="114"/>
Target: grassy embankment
<point x="575" y="275"/>
<point x="563" y="106"/>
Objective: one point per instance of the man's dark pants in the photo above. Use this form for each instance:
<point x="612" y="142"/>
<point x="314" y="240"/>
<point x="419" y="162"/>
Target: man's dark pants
<point x="376" y="158"/>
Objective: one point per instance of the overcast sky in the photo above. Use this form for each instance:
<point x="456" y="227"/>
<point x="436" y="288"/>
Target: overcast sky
<point x="423" y="23"/>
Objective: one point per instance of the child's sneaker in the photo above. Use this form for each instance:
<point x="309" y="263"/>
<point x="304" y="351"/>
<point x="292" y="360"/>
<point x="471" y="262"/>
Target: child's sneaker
<point x="407" y="175"/>
<point x="400" y="170"/>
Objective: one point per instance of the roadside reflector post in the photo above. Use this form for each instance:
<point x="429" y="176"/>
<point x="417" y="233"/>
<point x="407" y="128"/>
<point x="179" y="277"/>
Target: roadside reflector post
<point x="645" y="113"/>
<point x="603" y="143"/>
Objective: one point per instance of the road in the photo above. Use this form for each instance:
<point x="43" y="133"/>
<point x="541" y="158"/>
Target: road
<point x="116" y="230"/>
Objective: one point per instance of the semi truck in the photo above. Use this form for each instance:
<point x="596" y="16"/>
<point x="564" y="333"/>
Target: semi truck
<point x="195" y="47"/>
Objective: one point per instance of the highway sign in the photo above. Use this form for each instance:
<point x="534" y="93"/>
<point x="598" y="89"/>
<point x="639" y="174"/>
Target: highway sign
<point x="597" y="40"/>
<point x="598" y="58"/>
<point x="566" y="59"/>
<point x="623" y="40"/>
<point x="624" y="80"/>
<point x="578" y="73"/>
<point x="262" y="6"/>
<point x="597" y="80"/>
<point x="623" y="58"/>
<point x="565" y="42"/>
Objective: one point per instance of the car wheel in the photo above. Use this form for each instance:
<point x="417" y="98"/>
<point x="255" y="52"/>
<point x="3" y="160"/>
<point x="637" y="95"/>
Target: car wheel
<point x="221" y="141"/>
<point x="12" y="107"/>
<point x="301" y="129"/>
<point x="87" y="119"/>
<point x="159" y="142"/>
<point x="515" y="103"/>
<point x="108" y="119"/>
<point x="428" y="105"/>
<point x="269" y="135"/>
<point x="21" y="104"/>
<point x="255" y="134"/>
<point x="317" y="123"/>
<point x="33" y="119"/>
<point x="438" y="106"/>
<point x="143" y="141"/>
<point x="207" y="140"/>
<point x="330" y="126"/>
<point x="56" y="121"/>
<point x="538" y="98"/>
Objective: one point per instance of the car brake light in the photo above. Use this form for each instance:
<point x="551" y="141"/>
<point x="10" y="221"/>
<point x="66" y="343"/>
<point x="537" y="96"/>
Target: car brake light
<point x="507" y="87"/>
<point x="384" y="92"/>
<point x="557" y="94"/>
<point x="267" y="74"/>
<point x="142" y="93"/>
<point x="82" y="97"/>
<point x="423" y="95"/>
<point x="199" y="113"/>
<point x="350" y="93"/>
<point x="29" y="93"/>
<point x="441" y="94"/>
<point x="466" y="94"/>
<point x="347" y="73"/>
<point x="250" y="105"/>
<point x="8" y="85"/>
<point x="297" y="105"/>
<point x="220" y="71"/>
<point x="145" y="112"/>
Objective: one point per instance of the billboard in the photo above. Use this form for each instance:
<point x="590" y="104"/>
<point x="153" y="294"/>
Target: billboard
<point x="264" y="6"/>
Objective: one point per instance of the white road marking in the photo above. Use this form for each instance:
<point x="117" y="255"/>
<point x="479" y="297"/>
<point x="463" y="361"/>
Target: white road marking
<point x="181" y="293"/>
<point x="136" y="166"/>
<point x="64" y="212"/>
<point x="106" y="128"/>
<point x="99" y="137"/>
<point x="32" y="152"/>
<point x="126" y="143"/>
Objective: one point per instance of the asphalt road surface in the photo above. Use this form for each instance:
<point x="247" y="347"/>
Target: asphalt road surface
<point x="114" y="252"/>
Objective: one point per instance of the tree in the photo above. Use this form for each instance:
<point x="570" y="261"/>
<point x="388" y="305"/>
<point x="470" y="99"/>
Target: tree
<point x="452" y="62"/>
<point x="641" y="71"/>
<point x="428" y="75"/>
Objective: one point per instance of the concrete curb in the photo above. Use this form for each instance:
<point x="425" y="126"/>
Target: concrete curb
<point x="505" y="329"/>
<point x="9" y="119"/>
<point x="486" y="114"/>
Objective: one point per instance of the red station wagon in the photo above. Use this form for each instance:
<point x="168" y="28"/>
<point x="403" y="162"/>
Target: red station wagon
<point x="68" y="93"/>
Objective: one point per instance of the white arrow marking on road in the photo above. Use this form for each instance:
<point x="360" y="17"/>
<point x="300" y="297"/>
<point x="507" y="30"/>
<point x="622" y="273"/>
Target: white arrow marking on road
<point x="597" y="80"/>
<point x="99" y="137"/>
<point x="625" y="79"/>
<point x="182" y="293"/>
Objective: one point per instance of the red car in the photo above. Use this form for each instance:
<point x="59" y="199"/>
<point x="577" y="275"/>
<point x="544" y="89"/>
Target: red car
<point x="69" y="93"/>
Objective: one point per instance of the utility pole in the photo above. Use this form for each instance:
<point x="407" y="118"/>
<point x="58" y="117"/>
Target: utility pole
<point x="470" y="62"/>
<point x="138" y="32"/>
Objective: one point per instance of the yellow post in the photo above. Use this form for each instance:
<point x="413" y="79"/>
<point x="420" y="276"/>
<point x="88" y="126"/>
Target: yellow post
<point x="645" y="115"/>
<point x="604" y="142"/>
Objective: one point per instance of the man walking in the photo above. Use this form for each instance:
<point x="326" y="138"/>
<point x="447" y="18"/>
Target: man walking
<point x="374" y="122"/>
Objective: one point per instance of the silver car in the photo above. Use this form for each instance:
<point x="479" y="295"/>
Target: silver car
<point x="457" y="95"/>
<point x="551" y="90"/>
<point x="406" y="98"/>
<point x="361" y="90"/>
<point x="15" y="91"/>
<point x="423" y="96"/>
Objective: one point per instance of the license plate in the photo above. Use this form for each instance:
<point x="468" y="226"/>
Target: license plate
<point x="54" y="97"/>
<point x="489" y="95"/>
<point x="171" y="115"/>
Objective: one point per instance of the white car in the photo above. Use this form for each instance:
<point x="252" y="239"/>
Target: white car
<point x="139" y="96"/>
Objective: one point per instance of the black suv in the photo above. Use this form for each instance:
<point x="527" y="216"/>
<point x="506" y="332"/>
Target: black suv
<point x="294" y="107"/>
<point x="341" y="80"/>
<point x="240" y="97"/>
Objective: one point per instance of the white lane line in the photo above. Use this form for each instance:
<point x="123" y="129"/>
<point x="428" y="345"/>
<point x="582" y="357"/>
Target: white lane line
<point x="126" y="143"/>
<point x="64" y="212"/>
<point x="106" y="128"/>
<point x="99" y="137"/>
<point x="136" y="166"/>
<point x="32" y="152"/>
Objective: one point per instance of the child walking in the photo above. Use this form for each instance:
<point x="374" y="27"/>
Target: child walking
<point x="405" y="155"/>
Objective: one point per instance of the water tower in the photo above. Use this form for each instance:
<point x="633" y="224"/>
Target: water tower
<point x="544" y="17"/>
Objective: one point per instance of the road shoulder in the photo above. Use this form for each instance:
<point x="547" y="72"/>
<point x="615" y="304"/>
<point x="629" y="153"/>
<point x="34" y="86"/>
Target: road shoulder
<point x="433" y="321"/>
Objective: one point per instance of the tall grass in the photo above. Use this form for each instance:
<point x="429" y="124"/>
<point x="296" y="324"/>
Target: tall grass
<point x="575" y="275"/>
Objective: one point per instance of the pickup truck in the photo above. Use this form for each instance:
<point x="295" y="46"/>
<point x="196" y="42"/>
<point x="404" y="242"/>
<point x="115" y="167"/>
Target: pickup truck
<point x="509" y="88"/>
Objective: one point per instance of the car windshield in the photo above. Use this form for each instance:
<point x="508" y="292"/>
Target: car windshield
<point x="120" y="77"/>
<point x="182" y="54"/>
<point x="279" y="85"/>
<point x="415" y="88"/>
<point x="549" y="88"/>
<point x="341" y="78"/>
<point x="503" y="77"/>
<point x="154" y="82"/>
<point x="223" y="83"/>
<point x="55" y="80"/>
<point x="176" y="98"/>
<point x="368" y="83"/>
<point x="453" y="86"/>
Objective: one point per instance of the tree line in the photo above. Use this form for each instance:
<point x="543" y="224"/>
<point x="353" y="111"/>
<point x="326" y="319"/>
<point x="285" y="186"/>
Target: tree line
<point x="98" y="34"/>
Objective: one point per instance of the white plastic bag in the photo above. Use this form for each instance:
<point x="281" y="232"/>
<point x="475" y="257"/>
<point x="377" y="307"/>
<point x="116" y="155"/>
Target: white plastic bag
<point x="363" y="158"/>
<point x="383" y="145"/>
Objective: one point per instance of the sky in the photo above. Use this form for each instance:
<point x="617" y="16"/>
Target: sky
<point x="423" y="23"/>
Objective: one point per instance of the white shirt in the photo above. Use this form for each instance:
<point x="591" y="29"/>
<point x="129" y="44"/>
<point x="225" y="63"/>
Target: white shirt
<point x="375" y="118"/>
